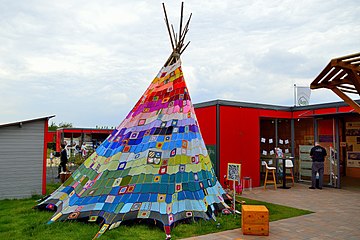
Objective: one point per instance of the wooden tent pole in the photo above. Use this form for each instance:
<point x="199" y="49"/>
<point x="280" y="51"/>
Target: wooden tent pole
<point x="177" y="39"/>
<point x="185" y="47"/>
<point x="168" y="27"/>
<point x="174" y="34"/>
<point x="181" y="18"/>
<point x="186" y="28"/>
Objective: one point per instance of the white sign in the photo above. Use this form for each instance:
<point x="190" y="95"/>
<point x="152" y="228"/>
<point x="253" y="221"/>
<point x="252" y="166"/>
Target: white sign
<point x="234" y="171"/>
<point x="302" y="96"/>
<point x="353" y="159"/>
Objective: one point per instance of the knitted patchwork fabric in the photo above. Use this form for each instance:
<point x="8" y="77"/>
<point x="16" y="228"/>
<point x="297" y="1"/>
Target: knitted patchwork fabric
<point x="154" y="165"/>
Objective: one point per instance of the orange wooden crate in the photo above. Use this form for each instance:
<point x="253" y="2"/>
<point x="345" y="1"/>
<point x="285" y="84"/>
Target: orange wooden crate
<point x="255" y="220"/>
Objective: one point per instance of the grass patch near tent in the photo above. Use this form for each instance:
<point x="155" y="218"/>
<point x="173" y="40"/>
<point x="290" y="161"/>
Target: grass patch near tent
<point x="277" y="212"/>
<point x="19" y="221"/>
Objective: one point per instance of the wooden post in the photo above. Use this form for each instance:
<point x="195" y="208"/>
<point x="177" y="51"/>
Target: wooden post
<point x="234" y="200"/>
<point x="348" y="100"/>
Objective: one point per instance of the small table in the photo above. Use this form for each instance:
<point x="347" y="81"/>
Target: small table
<point x="284" y="173"/>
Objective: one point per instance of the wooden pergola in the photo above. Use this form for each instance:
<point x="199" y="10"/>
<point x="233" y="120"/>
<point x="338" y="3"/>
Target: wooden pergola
<point x="341" y="75"/>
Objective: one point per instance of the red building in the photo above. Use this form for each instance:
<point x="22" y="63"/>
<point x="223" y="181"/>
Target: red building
<point x="91" y="136"/>
<point x="247" y="133"/>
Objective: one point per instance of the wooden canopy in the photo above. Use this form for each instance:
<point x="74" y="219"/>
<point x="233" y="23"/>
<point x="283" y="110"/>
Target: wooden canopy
<point x="341" y="75"/>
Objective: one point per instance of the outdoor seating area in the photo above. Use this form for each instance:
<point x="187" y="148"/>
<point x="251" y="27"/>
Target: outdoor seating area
<point x="272" y="175"/>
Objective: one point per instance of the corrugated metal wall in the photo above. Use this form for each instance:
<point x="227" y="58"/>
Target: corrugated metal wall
<point x="21" y="159"/>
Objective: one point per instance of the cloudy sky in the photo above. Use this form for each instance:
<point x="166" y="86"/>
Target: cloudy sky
<point x="88" y="62"/>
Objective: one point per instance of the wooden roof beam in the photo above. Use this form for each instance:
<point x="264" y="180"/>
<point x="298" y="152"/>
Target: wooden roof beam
<point x="348" y="100"/>
<point x="328" y="85"/>
<point x="348" y="56"/>
<point x="352" y="60"/>
<point x="355" y="79"/>
<point x="347" y="87"/>
<point x="341" y="75"/>
<point x="322" y="74"/>
<point x="326" y="79"/>
<point x="338" y="82"/>
<point x="347" y="91"/>
<point x="335" y="71"/>
<point x="337" y="63"/>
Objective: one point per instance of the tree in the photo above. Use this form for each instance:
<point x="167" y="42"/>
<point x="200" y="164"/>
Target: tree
<point x="65" y="125"/>
<point x="54" y="127"/>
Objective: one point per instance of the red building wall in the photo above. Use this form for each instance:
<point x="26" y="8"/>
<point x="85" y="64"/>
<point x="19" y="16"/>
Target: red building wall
<point x="325" y="111"/>
<point x="325" y="127"/>
<point x="50" y="136"/>
<point x="239" y="140"/>
<point x="206" y="117"/>
<point x="274" y="113"/>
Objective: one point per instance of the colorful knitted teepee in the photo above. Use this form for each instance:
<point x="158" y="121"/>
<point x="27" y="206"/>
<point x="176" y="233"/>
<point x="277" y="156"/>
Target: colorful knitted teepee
<point x="154" y="165"/>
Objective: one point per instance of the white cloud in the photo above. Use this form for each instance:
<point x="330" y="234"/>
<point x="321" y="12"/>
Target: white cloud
<point x="88" y="62"/>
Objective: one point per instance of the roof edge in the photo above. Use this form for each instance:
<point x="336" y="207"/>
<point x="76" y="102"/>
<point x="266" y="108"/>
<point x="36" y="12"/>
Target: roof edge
<point x="26" y="121"/>
<point x="241" y="104"/>
<point x="269" y="106"/>
<point x="86" y="128"/>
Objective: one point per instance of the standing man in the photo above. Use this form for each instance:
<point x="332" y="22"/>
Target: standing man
<point x="317" y="153"/>
<point x="83" y="150"/>
<point x="63" y="159"/>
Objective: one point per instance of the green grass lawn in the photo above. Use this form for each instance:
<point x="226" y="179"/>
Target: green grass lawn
<point x="19" y="221"/>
